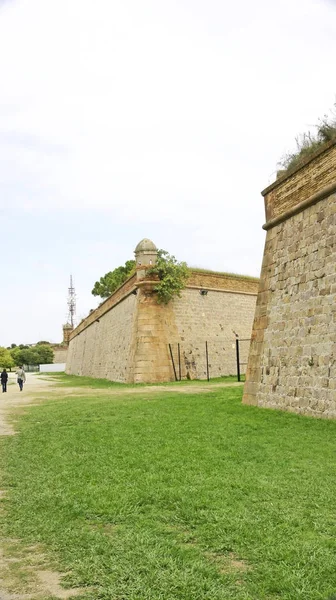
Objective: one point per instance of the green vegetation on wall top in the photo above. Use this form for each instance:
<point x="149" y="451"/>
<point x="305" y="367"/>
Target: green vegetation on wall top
<point x="172" y="276"/>
<point x="112" y="280"/>
<point x="308" y="143"/>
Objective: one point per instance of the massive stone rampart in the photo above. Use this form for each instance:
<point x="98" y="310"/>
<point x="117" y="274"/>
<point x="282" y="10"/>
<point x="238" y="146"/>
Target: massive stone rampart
<point x="60" y="354"/>
<point x="127" y="337"/>
<point x="102" y="344"/>
<point x="292" y="359"/>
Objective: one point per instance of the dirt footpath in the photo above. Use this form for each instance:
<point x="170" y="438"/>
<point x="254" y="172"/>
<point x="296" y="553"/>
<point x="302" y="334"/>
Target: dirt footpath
<point x="13" y="398"/>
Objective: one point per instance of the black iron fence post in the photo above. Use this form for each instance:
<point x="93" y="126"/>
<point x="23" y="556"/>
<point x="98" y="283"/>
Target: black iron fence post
<point x="207" y="360"/>
<point x="172" y="359"/>
<point x="237" y="358"/>
<point x="179" y="360"/>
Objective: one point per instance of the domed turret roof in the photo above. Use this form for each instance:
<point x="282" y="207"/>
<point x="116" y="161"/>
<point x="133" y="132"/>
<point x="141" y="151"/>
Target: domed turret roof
<point x="145" y="245"/>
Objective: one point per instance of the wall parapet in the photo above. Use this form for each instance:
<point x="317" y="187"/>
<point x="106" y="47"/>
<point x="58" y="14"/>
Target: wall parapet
<point x="314" y="199"/>
<point x="198" y="279"/>
<point x="221" y="290"/>
<point x="223" y="282"/>
<point x="300" y="184"/>
<point x="127" y="288"/>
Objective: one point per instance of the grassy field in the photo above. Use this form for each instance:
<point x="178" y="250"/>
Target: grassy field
<point x="76" y="381"/>
<point x="169" y="496"/>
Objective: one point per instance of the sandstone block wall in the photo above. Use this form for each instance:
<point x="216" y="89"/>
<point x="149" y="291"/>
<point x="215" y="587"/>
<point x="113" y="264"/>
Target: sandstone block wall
<point x="154" y="328"/>
<point x="60" y="354"/>
<point x="292" y="360"/>
<point x="127" y="338"/>
<point x="304" y="182"/>
<point x="199" y="279"/>
<point x="216" y="318"/>
<point x="104" y="348"/>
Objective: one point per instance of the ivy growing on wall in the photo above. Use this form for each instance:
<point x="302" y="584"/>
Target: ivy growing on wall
<point x="172" y="276"/>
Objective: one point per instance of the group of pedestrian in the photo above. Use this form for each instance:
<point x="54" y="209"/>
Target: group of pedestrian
<point x="21" y="378"/>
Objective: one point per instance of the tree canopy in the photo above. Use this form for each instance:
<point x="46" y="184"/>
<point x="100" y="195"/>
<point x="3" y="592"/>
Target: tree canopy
<point x="35" y="355"/>
<point x="6" y="359"/>
<point x="113" y="279"/>
<point x="171" y="275"/>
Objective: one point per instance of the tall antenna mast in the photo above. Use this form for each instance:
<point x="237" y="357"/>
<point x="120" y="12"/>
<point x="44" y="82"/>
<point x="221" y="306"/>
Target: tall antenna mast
<point x="71" y="303"/>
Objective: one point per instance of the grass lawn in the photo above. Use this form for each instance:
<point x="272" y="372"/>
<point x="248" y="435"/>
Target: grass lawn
<point x="81" y="381"/>
<point x="169" y="496"/>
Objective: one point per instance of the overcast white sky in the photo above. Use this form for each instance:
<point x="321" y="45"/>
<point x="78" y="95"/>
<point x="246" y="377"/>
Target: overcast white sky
<point x="124" y="119"/>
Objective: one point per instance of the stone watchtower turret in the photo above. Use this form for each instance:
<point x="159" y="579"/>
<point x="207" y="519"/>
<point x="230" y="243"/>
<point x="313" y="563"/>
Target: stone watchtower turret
<point x="150" y="338"/>
<point x="67" y="329"/>
<point x="145" y="257"/>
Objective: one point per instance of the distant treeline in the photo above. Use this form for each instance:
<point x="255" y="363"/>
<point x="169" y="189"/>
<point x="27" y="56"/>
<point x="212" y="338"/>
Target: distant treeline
<point x="40" y="353"/>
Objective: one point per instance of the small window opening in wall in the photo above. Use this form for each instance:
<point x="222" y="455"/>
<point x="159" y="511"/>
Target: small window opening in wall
<point x="150" y="262"/>
<point x="203" y="292"/>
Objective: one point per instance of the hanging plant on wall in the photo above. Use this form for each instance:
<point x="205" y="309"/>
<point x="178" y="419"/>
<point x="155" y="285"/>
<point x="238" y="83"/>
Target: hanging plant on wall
<point x="172" y="276"/>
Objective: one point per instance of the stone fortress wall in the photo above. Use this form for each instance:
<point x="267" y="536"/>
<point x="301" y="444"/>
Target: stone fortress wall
<point x="292" y="360"/>
<point x="127" y="337"/>
<point x="60" y="354"/>
<point x="61" y="350"/>
<point x="104" y="348"/>
<point x="214" y="318"/>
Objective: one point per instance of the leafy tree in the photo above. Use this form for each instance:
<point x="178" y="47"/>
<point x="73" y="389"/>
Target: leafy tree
<point x="44" y="353"/>
<point x="6" y="359"/>
<point x="21" y="356"/>
<point x="172" y="276"/>
<point x="30" y="357"/>
<point x="16" y="354"/>
<point x="39" y="354"/>
<point x="112" y="280"/>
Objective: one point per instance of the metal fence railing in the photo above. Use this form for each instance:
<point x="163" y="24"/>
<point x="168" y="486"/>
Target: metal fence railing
<point x="242" y="350"/>
<point x="31" y="368"/>
<point x="209" y="359"/>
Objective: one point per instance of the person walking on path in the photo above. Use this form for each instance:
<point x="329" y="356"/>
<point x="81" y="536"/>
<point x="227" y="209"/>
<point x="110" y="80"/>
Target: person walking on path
<point x="21" y="377"/>
<point x="4" y="379"/>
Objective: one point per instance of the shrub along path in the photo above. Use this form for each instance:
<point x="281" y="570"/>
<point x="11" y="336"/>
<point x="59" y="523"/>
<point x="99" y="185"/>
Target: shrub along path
<point x="166" y="493"/>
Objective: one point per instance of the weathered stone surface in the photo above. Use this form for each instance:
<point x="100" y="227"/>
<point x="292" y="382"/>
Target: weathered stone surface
<point x="214" y="318"/>
<point x="292" y="359"/>
<point x="104" y="349"/>
<point x="303" y="182"/>
<point x="127" y="338"/>
<point x="60" y="354"/>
